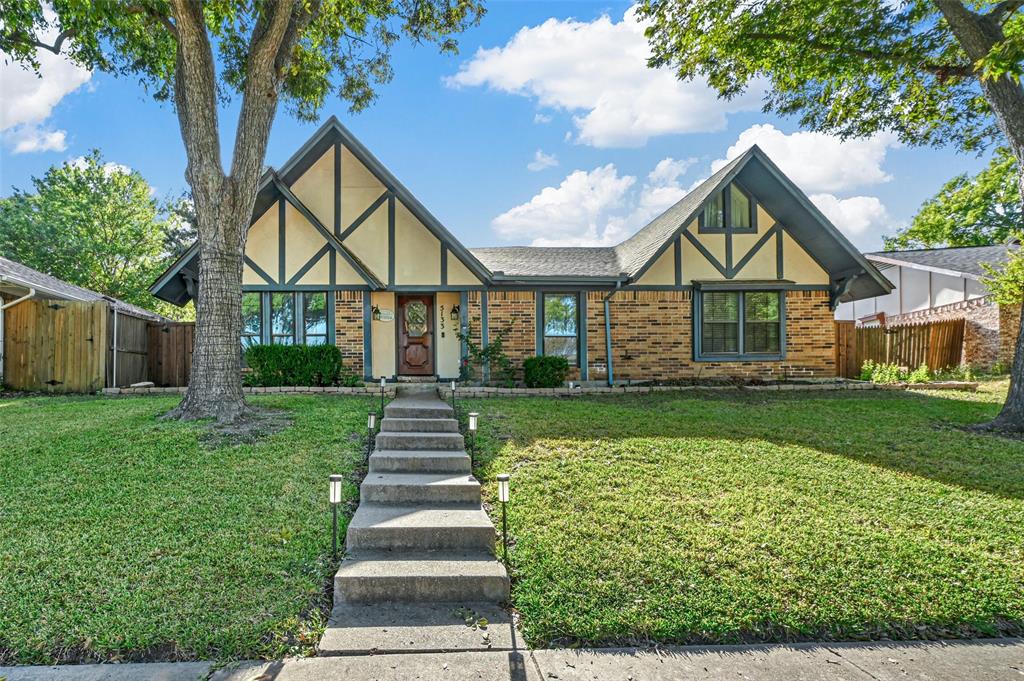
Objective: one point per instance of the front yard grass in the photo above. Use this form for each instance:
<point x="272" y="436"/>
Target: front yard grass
<point x="739" y="516"/>
<point x="123" y="537"/>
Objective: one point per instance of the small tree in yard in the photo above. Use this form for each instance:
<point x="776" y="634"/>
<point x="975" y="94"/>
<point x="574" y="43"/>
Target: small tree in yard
<point x="266" y="50"/>
<point x="932" y="71"/>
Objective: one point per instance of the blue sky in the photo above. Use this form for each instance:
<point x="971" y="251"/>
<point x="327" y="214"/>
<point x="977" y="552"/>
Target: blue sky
<point x="546" y="129"/>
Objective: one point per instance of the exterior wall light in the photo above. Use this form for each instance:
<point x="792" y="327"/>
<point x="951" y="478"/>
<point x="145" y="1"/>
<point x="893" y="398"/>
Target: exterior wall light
<point x="335" y="498"/>
<point x="455" y="313"/>
<point x="473" y="419"/>
<point x="503" y="497"/>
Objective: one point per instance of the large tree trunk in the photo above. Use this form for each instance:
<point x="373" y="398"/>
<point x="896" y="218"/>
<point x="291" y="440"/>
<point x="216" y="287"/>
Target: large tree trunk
<point x="223" y="204"/>
<point x="977" y="34"/>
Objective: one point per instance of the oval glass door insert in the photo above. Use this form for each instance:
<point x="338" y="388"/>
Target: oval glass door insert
<point x="415" y="318"/>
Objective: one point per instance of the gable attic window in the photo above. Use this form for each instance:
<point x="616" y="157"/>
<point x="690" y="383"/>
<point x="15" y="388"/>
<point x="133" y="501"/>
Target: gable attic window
<point x="730" y="210"/>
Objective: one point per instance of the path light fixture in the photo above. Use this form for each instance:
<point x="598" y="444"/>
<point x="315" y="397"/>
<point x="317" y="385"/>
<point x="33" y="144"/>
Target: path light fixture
<point x="453" y="396"/>
<point x="335" y="496"/>
<point x="503" y="495"/>
<point x="371" y="426"/>
<point x="383" y="384"/>
<point x="473" y="418"/>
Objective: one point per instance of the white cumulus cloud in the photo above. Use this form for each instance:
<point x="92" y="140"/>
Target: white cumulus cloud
<point x="28" y="100"/>
<point x="863" y="219"/>
<point x="815" y="161"/>
<point x="595" y="208"/>
<point x="598" y="70"/>
<point x="541" y="118"/>
<point x="541" y="161"/>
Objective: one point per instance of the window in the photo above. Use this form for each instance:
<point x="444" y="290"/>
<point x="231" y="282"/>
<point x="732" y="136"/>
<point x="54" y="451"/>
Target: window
<point x="761" y="322"/>
<point x="740" y="323"/>
<point x="252" y="319"/>
<point x="560" y="326"/>
<point x="721" y="316"/>
<point x="314" y="318"/>
<point x="282" y="318"/>
<point x="286" y="318"/>
<point x="730" y="210"/>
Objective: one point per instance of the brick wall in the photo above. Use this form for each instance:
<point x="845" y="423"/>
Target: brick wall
<point x="348" y="328"/>
<point x="1009" y="328"/>
<point x="515" y="312"/>
<point x="652" y="336"/>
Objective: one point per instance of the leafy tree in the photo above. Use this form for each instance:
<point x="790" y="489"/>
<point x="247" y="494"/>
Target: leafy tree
<point x="934" y="72"/>
<point x="94" y="224"/>
<point x="968" y="211"/>
<point x="1007" y="282"/>
<point x="200" y="53"/>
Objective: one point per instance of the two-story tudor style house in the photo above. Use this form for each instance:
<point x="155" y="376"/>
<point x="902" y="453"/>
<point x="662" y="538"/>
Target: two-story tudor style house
<point x="740" y="278"/>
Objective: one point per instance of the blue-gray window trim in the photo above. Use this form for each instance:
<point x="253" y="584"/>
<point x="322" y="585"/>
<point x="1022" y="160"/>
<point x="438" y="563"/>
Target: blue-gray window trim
<point x="539" y="295"/>
<point x="727" y="226"/>
<point x="741" y="356"/>
<point x="299" y="333"/>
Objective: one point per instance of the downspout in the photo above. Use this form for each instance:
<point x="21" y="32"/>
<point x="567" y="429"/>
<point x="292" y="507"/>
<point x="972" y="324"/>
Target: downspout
<point x="30" y="294"/>
<point x="608" y="332"/>
<point x="113" y="376"/>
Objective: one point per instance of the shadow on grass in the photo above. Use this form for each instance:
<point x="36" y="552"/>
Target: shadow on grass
<point x="908" y="432"/>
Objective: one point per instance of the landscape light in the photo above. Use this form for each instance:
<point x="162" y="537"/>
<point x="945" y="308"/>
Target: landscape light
<point x="383" y="384"/>
<point x="453" y="398"/>
<point x="371" y="425"/>
<point x="473" y="416"/>
<point x="335" y="498"/>
<point x="503" y="496"/>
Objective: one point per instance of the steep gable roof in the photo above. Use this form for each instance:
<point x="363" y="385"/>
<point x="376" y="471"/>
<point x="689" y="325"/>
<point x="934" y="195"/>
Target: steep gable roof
<point x="537" y="261"/>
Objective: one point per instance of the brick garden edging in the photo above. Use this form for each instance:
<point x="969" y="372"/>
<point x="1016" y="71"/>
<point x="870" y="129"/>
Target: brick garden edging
<point x="292" y="390"/>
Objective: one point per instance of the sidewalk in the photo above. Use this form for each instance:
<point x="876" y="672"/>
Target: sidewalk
<point x="990" y="660"/>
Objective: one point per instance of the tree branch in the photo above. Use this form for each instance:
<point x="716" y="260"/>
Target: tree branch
<point x="941" y="70"/>
<point x="1004" y="10"/>
<point x="32" y="41"/>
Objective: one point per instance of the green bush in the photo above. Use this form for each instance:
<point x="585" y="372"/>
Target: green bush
<point x="877" y="372"/>
<point x="281" y="365"/>
<point x="920" y="374"/>
<point x="545" y="372"/>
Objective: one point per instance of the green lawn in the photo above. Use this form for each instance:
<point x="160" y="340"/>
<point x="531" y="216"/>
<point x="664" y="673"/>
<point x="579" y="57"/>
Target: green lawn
<point x="723" y="517"/>
<point x="124" y="537"/>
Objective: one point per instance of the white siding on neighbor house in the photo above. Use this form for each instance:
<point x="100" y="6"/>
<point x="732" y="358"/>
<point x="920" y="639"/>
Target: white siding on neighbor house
<point x="914" y="290"/>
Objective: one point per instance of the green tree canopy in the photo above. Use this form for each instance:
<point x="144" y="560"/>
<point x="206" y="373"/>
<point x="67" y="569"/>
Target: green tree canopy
<point x="969" y="211"/>
<point x="97" y="225"/>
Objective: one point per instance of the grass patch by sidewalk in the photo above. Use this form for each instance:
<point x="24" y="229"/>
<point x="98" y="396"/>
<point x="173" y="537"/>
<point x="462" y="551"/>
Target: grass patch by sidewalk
<point x="123" y="537"/>
<point x="727" y="517"/>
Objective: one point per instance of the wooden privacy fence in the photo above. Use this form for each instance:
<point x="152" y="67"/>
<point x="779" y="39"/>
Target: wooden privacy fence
<point x="937" y="344"/>
<point x="55" y="346"/>
<point x="67" y="347"/>
<point x="170" y="353"/>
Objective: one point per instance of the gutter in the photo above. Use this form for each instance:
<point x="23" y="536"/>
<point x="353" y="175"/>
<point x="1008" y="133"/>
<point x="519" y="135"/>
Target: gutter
<point x="608" y="332"/>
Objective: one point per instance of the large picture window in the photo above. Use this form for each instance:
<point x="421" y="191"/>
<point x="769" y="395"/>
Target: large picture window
<point x="738" y="324"/>
<point x="730" y="210"/>
<point x="561" y="326"/>
<point x="286" y="318"/>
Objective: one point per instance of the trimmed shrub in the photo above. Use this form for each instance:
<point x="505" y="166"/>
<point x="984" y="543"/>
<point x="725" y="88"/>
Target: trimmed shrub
<point x="545" y="372"/>
<point x="279" y="365"/>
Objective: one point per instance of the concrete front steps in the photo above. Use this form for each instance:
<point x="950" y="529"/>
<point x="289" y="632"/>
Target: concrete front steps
<point x="420" y="534"/>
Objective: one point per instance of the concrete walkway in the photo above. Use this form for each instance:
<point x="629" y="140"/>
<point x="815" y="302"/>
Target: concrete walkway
<point x="991" y="660"/>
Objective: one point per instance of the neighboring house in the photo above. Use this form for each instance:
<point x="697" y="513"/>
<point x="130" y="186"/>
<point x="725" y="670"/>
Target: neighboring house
<point x="940" y="284"/>
<point x="739" y="278"/>
<point x="41" y="350"/>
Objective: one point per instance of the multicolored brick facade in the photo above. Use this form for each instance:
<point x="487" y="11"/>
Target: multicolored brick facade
<point x="652" y="339"/>
<point x="348" y="328"/>
<point x="652" y="336"/>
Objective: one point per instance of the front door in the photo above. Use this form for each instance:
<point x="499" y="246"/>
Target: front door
<point x="416" y="335"/>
